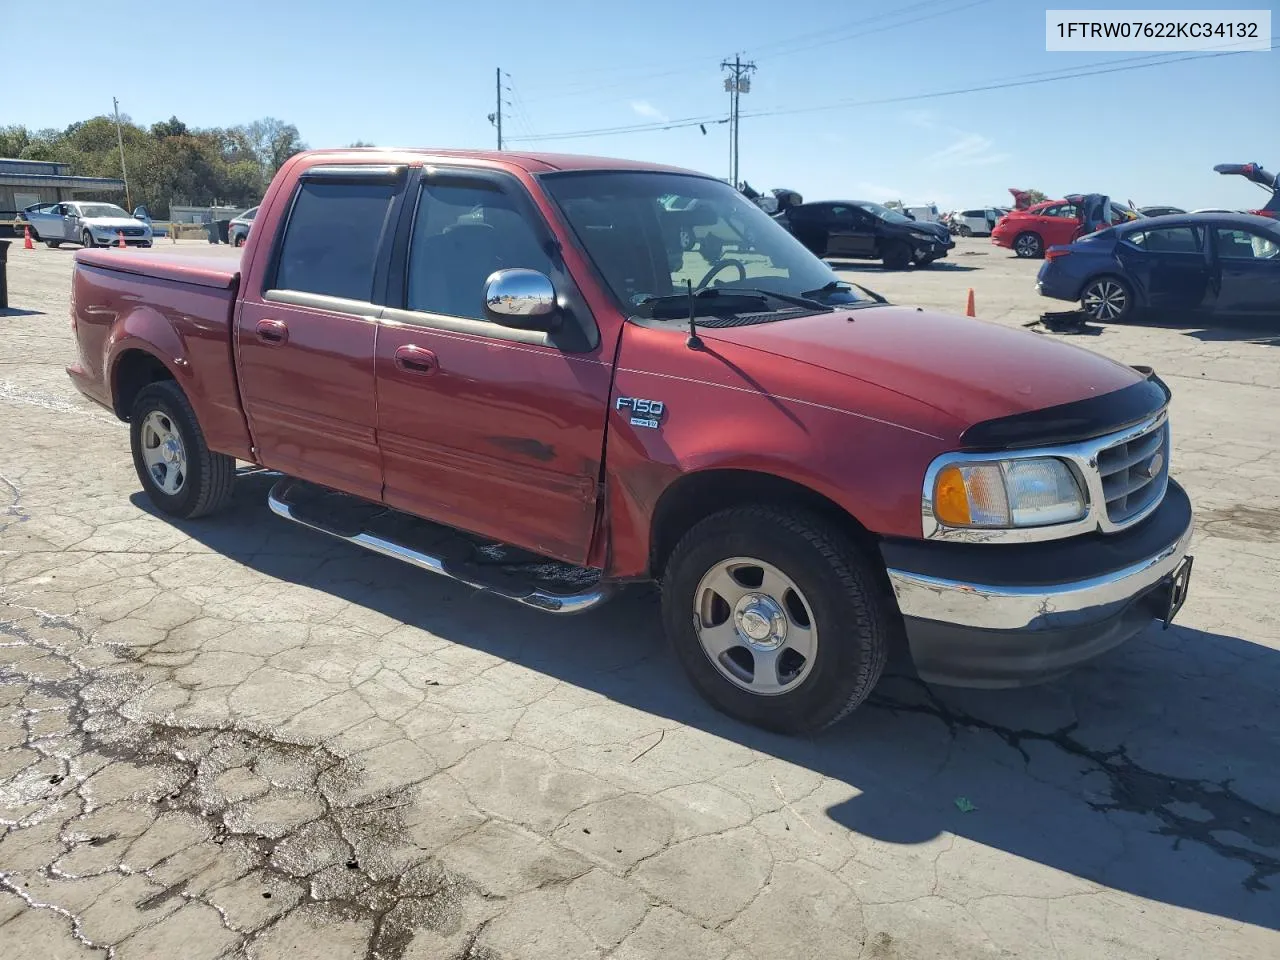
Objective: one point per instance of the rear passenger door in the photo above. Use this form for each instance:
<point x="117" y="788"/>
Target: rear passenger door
<point x="1170" y="264"/>
<point x="488" y="428"/>
<point x="305" y="341"/>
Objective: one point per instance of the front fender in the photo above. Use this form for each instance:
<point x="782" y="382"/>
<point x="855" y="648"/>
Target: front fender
<point x="871" y="469"/>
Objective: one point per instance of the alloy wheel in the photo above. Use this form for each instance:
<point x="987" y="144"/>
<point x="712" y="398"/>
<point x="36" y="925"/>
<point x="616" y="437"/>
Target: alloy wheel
<point x="1105" y="300"/>
<point x="755" y="626"/>
<point x="163" y="452"/>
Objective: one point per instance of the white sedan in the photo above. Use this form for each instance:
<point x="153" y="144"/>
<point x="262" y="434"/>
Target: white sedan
<point x="89" y="223"/>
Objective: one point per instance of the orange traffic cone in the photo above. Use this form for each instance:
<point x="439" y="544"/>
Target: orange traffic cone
<point x="120" y="239"/>
<point x="26" y="243"/>
<point x="968" y="307"/>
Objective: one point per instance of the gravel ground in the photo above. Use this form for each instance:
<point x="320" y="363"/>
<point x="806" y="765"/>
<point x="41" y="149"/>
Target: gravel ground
<point x="238" y="738"/>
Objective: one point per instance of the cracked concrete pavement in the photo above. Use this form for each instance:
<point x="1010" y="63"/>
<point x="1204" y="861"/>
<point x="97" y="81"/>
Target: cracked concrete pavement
<point x="237" y="738"/>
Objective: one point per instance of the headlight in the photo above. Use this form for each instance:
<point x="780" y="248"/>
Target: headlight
<point x="1031" y="492"/>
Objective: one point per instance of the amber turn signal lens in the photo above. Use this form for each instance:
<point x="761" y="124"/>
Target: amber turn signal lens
<point x="950" y="499"/>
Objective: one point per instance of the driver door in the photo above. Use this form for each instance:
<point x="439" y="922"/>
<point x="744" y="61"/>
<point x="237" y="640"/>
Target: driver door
<point x="70" y="223"/>
<point x="851" y="233"/>
<point x="486" y="428"/>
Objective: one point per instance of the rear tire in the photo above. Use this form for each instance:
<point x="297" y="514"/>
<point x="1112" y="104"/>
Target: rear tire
<point x="1107" y="300"/>
<point x="811" y="590"/>
<point x="181" y="475"/>
<point x="1028" y="246"/>
<point x="896" y="255"/>
<point x="53" y="244"/>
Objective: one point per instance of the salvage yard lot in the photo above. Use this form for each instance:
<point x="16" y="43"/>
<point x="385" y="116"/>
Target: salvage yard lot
<point x="238" y="737"/>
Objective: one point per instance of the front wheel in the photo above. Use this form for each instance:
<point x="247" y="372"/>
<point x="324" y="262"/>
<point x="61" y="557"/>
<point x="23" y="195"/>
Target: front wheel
<point x="86" y="240"/>
<point x="1107" y="299"/>
<point x="778" y="621"/>
<point x="181" y="475"/>
<point x="896" y="255"/>
<point x="966" y="230"/>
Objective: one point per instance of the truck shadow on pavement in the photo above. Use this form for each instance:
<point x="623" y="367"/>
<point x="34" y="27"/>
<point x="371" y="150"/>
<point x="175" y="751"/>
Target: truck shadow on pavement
<point x="1151" y="772"/>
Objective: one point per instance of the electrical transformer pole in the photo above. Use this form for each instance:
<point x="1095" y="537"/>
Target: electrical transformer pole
<point x="737" y="83"/>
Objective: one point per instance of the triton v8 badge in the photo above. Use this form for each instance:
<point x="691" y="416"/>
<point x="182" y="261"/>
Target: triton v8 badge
<point x="643" y="413"/>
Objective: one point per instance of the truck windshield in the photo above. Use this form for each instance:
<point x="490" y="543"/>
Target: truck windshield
<point x="651" y="235"/>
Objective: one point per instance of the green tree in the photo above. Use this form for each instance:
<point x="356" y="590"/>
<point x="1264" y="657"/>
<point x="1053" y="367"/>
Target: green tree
<point x="170" y="162"/>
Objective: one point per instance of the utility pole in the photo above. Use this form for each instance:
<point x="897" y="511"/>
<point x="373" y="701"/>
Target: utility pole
<point x="120" y="140"/>
<point x="496" y="117"/>
<point x="737" y="83"/>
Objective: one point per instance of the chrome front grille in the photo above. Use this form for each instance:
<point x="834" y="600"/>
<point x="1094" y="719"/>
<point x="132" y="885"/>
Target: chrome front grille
<point x="1135" y="473"/>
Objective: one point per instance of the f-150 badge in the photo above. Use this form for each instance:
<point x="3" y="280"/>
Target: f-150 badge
<point x="643" y="413"/>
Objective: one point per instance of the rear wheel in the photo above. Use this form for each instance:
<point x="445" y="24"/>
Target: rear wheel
<point x="896" y="255"/>
<point x="181" y="475"/>
<point x="1029" y="246"/>
<point x="1107" y="299"/>
<point x="52" y="244"/>
<point x="925" y="261"/>
<point x="778" y="620"/>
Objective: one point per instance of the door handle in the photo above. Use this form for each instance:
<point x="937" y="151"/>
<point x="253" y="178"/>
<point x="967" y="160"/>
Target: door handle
<point x="272" y="331"/>
<point x="414" y="359"/>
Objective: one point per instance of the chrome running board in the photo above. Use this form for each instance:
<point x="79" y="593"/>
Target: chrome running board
<point x="530" y="596"/>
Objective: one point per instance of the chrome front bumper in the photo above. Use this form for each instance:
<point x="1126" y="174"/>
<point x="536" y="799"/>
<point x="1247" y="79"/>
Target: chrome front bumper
<point x="970" y="632"/>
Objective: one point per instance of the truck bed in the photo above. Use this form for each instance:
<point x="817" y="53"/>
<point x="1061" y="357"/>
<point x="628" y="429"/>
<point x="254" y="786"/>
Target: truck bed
<point x="217" y="272"/>
<point x="141" y="307"/>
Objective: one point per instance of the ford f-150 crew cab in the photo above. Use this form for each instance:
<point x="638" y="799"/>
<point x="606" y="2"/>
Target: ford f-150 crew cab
<point x="508" y="369"/>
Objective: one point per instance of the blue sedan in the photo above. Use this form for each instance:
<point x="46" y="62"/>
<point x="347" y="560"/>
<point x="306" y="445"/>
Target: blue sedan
<point x="1195" y="266"/>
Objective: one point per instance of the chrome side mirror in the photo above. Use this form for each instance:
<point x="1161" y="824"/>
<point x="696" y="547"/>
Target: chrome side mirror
<point x="521" y="298"/>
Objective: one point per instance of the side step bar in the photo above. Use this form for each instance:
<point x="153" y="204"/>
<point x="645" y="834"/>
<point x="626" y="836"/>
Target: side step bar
<point x="546" y="601"/>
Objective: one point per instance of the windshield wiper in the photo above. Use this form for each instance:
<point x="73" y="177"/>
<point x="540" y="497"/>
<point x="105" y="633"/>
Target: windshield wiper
<point x="726" y="300"/>
<point x="835" y="286"/>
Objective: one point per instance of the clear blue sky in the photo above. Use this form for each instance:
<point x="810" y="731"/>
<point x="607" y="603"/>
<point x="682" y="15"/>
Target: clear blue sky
<point x="397" y="72"/>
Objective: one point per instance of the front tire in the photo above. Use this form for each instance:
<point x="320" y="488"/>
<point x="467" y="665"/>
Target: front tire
<point x="778" y="621"/>
<point x="1107" y="300"/>
<point x="966" y="230"/>
<point x="896" y="255"/>
<point x="181" y="475"/>
<point x="86" y="240"/>
<point x="1028" y="246"/>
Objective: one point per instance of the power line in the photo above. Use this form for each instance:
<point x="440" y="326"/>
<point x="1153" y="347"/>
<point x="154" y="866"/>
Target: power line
<point x="821" y="38"/>
<point x="1017" y="80"/>
<point x="829" y="38"/>
<point x="1010" y="82"/>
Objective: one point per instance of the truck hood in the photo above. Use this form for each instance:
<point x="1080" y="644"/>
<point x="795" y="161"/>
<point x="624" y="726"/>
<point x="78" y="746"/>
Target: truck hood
<point x="967" y="370"/>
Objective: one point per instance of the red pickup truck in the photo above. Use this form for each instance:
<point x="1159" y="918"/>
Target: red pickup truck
<point x="510" y="370"/>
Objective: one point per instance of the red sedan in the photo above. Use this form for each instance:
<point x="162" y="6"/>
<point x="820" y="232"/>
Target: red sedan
<point x="1028" y="233"/>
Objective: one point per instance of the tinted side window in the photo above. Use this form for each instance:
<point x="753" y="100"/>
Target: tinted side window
<point x="250" y="214"/>
<point x="1168" y="240"/>
<point x="1242" y="245"/>
<point x="462" y="232"/>
<point x="331" y="243"/>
